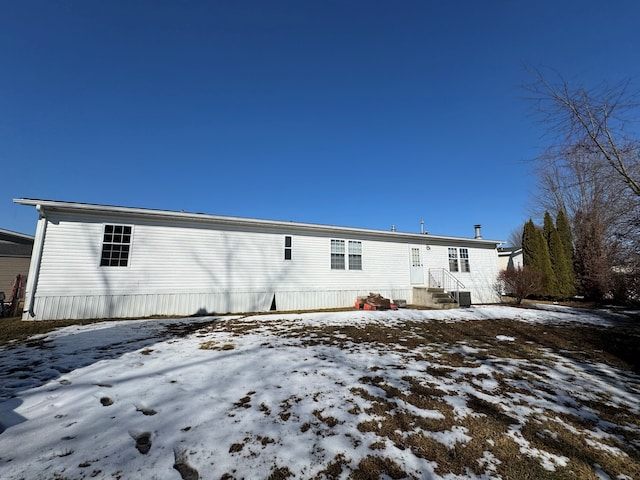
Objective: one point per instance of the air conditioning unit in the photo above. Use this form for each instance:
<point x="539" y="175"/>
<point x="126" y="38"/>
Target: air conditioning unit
<point x="463" y="299"/>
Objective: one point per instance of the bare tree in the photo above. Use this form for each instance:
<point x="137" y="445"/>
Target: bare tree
<point x="592" y="172"/>
<point x="515" y="238"/>
<point x="595" y="121"/>
<point x="520" y="282"/>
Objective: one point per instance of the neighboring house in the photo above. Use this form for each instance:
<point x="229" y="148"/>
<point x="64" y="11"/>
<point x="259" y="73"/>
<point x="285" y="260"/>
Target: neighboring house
<point x="510" y="257"/>
<point x="15" y="254"/>
<point x="97" y="261"/>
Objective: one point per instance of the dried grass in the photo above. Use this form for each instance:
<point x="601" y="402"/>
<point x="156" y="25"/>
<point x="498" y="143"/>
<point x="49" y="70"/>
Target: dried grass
<point x="452" y="354"/>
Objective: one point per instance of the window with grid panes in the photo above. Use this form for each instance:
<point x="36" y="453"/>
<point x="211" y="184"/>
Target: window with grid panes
<point x="337" y="255"/>
<point x="355" y="255"/>
<point x="116" y="244"/>
<point x="415" y="257"/>
<point x="453" y="259"/>
<point x="464" y="260"/>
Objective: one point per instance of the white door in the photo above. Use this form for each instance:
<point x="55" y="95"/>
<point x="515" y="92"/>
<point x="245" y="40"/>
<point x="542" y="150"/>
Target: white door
<point x="417" y="273"/>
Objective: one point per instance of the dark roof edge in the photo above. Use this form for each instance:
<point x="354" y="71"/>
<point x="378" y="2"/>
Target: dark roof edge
<point x="19" y="237"/>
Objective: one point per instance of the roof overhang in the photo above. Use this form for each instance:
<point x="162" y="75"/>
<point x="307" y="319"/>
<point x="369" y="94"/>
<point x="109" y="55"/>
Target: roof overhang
<point x="508" y="252"/>
<point x="50" y="206"/>
<point x="16" y="237"/>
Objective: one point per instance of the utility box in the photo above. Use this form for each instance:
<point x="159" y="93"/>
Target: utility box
<point x="464" y="299"/>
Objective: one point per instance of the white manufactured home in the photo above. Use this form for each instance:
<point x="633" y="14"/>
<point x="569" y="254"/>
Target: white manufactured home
<point x="97" y="261"/>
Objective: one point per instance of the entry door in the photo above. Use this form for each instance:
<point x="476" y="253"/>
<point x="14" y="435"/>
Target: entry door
<point x="417" y="272"/>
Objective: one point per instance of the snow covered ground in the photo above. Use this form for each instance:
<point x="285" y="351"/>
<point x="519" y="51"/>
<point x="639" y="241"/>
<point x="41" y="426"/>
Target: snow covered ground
<point x="266" y="397"/>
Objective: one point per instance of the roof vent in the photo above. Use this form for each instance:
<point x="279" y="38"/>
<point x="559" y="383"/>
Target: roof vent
<point x="478" y="234"/>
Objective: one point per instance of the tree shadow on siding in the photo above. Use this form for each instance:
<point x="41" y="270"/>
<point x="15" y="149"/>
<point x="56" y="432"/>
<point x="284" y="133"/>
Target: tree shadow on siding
<point x="223" y="275"/>
<point x="224" y="283"/>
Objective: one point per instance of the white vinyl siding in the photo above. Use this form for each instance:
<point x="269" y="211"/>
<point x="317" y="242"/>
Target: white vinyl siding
<point x="481" y="278"/>
<point x="171" y="259"/>
<point x="188" y="267"/>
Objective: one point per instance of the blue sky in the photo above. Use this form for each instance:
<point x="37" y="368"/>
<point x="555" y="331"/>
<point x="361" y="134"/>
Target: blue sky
<point x="356" y="113"/>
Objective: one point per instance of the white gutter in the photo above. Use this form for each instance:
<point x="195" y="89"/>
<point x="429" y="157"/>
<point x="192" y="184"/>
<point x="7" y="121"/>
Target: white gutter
<point x="246" y="222"/>
<point x="34" y="266"/>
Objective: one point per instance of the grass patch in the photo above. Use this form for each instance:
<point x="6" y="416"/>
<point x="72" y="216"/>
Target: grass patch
<point x="14" y="329"/>
<point x="214" y="345"/>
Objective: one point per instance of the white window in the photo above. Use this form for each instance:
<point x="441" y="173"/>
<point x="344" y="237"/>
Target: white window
<point x="453" y="259"/>
<point x="341" y="253"/>
<point x="337" y="255"/>
<point x="464" y="260"/>
<point x="355" y="255"/>
<point x="116" y="244"/>
<point x="459" y="260"/>
<point x="415" y="257"/>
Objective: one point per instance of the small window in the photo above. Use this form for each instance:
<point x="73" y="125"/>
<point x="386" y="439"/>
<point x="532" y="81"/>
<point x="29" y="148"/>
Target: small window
<point x="287" y="248"/>
<point x="337" y="254"/>
<point x="415" y="257"/>
<point x="464" y="260"/>
<point x="116" y="244"/>
<point x="355" y="255"/>
<point x="453" y="259"/>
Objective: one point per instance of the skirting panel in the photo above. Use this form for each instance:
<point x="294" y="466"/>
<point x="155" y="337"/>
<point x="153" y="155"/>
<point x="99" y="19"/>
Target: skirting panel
<point x="188" y="304"/>
<point x="331" y="298"/>
<point x="135" y="306"/>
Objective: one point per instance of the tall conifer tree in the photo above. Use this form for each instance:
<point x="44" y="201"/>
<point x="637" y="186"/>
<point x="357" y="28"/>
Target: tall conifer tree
<point x="529" y="251"/>
<point x="564" y="232"/>
<point x="543" y="265"/>
<point x="535" y="254"/>
<point x="558" y="257"/>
